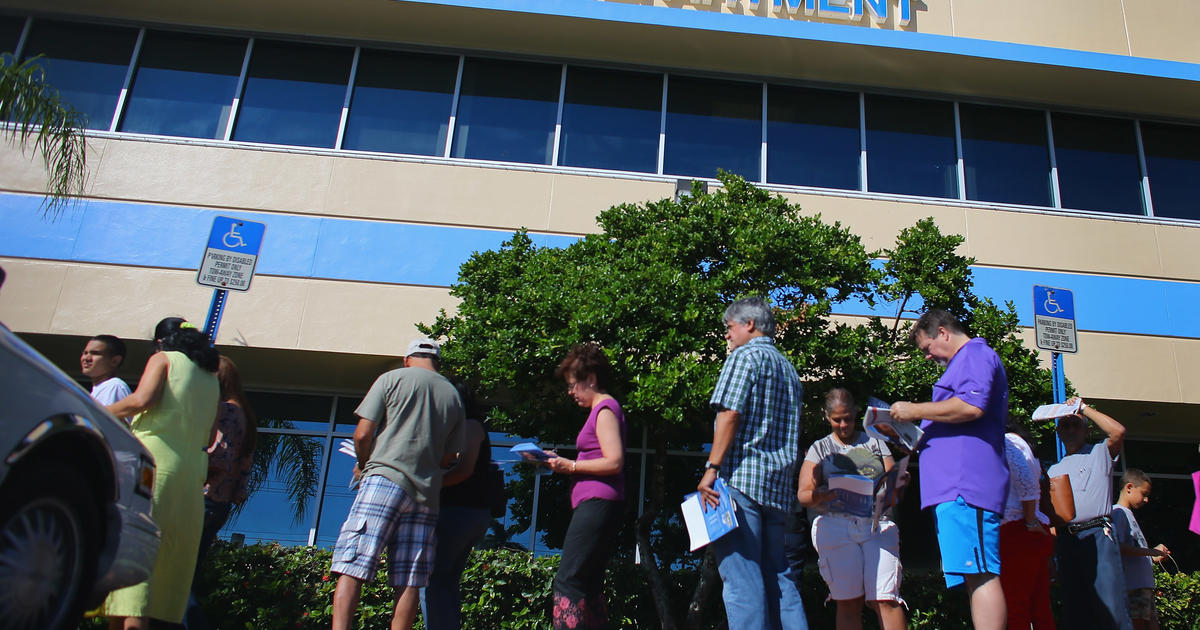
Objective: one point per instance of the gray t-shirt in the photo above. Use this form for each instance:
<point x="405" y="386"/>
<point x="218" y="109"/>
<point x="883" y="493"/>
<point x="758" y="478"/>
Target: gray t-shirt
<point x="1139" y="570"/>
<point x="419" y="419"/>
<point x="1091" y="480"/>
<point x="833" y="457"/>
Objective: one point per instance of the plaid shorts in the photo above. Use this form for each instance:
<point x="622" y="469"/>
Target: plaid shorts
<point x="383" y="515"/>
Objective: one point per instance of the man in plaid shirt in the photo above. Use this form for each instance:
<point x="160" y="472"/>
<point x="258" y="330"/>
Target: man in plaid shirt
<point x="756" y="451"/>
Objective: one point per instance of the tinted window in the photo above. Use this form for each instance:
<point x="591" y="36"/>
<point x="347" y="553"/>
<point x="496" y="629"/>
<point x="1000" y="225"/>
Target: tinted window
<point x="1173" y="161"/>
<point x="344" y="415"/>
<point x="910" y="147"/>
<point x="291" y="411"/>
<point x="291" y="462"/>
<point x="713" y="125"/>
<point x="86" y="63"/>
<point x="611" y="119"/>
<point x="294" y="94"/>
<point x="401" y="103"/>
<point x="506" y="111"/>
<point x="337" y="499"/>
<point x="10" y="32"/>
<point x="1097" y="163"/>
<point x="1005" y="155"/>
<point x="184" y="85"/>
<point x="812" y="137"/>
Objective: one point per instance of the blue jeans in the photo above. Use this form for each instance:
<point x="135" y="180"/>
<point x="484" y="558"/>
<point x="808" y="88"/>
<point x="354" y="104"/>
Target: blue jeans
<point x="1093" y="581"/>
<point x="759" y="592"/>
<point x="458" y="529"/>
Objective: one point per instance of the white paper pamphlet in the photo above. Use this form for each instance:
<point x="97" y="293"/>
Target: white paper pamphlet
<point x="902" y="435"/>
<point x="853" y="494"/>
<point x="706" y="524"/>
<point x="1050" y="412"/>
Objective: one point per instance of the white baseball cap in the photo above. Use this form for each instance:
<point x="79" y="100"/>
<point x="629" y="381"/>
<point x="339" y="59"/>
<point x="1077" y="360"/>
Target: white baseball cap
<point x="422" y="345"/>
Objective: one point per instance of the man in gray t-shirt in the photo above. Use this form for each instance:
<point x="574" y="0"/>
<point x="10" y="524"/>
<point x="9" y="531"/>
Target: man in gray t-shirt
<point x="410" y="428"/>
<point x="1089" y="560"/>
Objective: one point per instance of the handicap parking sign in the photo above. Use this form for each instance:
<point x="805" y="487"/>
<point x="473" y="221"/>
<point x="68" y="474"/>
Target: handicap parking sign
<point x="1054" y="319"/>
<point x="231" y="254"/>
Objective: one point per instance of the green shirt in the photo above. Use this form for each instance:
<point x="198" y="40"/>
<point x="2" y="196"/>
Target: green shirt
<point x="419" y="419"/>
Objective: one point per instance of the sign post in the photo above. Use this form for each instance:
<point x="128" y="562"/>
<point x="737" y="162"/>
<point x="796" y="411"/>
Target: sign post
<point x="1054" y="328"/>
<point x="228" y="264"/>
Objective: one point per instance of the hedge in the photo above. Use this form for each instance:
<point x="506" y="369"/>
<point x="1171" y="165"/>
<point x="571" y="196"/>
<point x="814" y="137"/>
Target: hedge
<point x="271" y="587"/>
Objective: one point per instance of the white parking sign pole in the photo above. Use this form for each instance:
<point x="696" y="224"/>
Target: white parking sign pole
<point x="228" y="264"/>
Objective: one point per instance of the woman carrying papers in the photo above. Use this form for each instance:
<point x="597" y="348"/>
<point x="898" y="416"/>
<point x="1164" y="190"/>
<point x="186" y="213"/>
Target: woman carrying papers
<point x="597" y="492"/>
<point x="859" y="557"/>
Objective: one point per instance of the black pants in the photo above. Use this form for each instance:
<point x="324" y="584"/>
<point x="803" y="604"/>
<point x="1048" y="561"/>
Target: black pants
<point x="579" y="584"/>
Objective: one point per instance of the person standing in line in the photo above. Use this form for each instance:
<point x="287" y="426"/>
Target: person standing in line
<point x="174" y="410"/>
<point x="964" y="477"/>
<point x="756" y="451"/>
<point x="1089" y="559"/>
<point x="101" y="358"/>
<point x="859" y="557"/>
<point x="410" y="426"/>
<point x="230" y="457"/>
<point x="463" y="519"/>
<point x="1137" y="556"/>
<point x="597" y="492"/>
<point x="1026" y="545"/>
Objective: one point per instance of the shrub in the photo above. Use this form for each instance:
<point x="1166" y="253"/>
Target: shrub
<point x="271" y="587"/>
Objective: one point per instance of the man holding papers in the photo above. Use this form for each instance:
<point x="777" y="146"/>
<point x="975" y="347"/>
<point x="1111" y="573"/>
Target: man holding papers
<point x="755" y="451"/>
<point x="964" y="475"/>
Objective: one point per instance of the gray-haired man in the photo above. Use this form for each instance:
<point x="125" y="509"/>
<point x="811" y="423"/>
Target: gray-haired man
<point x="755" y="450"/>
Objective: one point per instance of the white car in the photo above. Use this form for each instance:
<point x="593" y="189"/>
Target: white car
<point x="75" y="488"/>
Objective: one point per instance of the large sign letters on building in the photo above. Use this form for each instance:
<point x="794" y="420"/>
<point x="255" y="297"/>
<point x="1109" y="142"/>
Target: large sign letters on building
<point x="848" y="10"/>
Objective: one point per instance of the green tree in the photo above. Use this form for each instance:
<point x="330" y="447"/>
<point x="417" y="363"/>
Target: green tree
<point x="651" y="287"/>
<point x="39" y="118"/>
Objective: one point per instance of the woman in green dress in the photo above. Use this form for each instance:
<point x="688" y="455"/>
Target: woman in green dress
<point x="175" y="406"/>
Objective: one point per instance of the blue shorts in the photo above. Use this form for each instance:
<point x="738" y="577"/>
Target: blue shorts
<point x="969" y="538"/>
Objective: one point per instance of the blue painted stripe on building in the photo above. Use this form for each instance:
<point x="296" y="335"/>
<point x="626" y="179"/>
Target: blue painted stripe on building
<point x="298" y="246"/>
<point x="174" y="237"/>
<point x="838" y="34"/>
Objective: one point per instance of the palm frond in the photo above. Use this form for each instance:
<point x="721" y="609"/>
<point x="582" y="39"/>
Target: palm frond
<point x="33" y="114"/>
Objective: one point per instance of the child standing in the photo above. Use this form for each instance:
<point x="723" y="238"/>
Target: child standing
<point x="1137" y="557"/>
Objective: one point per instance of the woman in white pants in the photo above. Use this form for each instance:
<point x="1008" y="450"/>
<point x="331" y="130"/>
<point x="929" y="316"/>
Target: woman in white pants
<point x="859" y="559"/>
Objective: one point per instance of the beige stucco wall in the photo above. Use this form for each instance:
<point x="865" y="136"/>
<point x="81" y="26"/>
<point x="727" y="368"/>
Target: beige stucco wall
<point x="366" y="318"/>
<point x="457" y="193"/>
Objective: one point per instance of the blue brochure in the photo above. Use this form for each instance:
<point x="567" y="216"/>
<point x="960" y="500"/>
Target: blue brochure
<point x="706" y="524"/>
<point x="533" y="454"/>
<point x="530" y="452"/>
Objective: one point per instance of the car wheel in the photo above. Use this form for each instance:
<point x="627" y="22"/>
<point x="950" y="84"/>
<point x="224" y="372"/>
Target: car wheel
<point x="47" y="554"/>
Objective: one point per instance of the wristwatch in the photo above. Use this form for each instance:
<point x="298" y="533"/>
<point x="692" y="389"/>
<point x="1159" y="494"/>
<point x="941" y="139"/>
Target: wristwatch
<point x="711" y="466"/>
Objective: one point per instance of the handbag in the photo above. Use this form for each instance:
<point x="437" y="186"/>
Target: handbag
<point x="1058" y="500"/>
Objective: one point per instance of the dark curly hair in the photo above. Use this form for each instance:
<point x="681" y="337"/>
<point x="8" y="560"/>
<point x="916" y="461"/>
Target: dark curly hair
<point x="586" y="359"/>
<point x="171" y="334"/>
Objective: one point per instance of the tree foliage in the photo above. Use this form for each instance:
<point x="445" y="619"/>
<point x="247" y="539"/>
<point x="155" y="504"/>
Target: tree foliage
<point x="35" y="115"/>
<point x="651" y="286"/>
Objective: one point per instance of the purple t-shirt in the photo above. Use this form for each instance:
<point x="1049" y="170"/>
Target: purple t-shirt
<point x="967" y="459"/>
<point x="608" y="487"/>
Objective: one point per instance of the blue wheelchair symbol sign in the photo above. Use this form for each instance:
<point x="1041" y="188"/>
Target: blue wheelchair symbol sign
<point x="1052" y="302"/>
<point x="236" y="235"/>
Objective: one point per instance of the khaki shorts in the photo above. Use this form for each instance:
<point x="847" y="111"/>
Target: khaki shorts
<point x="855" y="561"/>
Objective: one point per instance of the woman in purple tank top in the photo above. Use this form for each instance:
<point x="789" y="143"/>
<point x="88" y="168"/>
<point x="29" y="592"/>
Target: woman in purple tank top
<point x="597" y="492"/>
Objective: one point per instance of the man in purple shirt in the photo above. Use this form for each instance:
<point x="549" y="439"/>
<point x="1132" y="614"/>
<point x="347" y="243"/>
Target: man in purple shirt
<point x="964" y="475"/>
